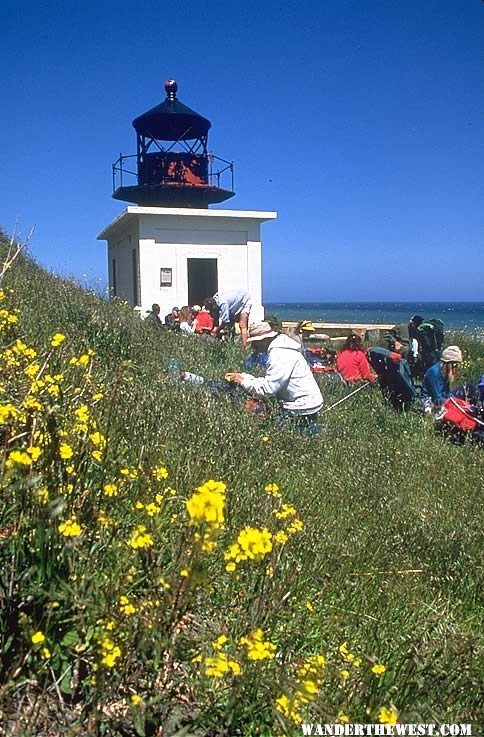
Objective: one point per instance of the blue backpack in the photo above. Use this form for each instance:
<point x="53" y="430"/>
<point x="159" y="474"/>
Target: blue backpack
<point x="394" y="377"/>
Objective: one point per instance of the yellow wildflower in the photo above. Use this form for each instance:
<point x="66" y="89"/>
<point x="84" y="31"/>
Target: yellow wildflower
<point x="378" y="669"/>
<point x="151" y="509"/>
<point x="34" y="452"/>
<point x="160" y="473"/>
<point x="296" y="526"/>
<point x="288" y="708"/>
<point x="110" y="652"/>
<point x="220" y="665"/>
<point x="343" y="718"/>
<point x="45" y="652"/>
<point x="65" y="451"/>
<point x="219" y="642"/>
<point x="140" y="538"/>
<point x="252" y="544"/>
<point x="98" y="439"/>
<point x="38" y="638"/>
<point x="387" y="716"/>
<point x="82" y="413"/>
<point x="57" y="339"/>
<point x="258" y="648"/>
<point x="19" y="458"/>
<point x="126" y="606"/>
<point x="136" y="699"/>
<point x="8" y="411"/>
<point x="207" y="505"/>
<point x="32" y="370"/>
<point x="273" y="490"/>
<point x="42" y="495"/>
<point x="287" y="510"/>
<point x="281" y="538"/>
<point x="31" y="402"/>
<point x="129" y="472"/>
<point x="110" y="490"/>
<point x="70" y="528"/>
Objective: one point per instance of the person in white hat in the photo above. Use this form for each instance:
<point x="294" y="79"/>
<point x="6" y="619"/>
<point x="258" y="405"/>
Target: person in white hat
<point x="438" y="378"/>
<point x="288" y="376"/>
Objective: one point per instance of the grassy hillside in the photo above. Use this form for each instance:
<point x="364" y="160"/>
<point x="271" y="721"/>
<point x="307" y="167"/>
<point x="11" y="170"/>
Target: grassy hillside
<point x="351" y="588"/>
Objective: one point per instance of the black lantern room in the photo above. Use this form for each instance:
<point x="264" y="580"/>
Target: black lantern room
<point x="173" y="166"/>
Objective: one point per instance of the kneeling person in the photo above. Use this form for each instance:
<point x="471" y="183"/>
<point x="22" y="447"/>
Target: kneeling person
<point x="288" y="376"/>
<point x="438" y="378"/>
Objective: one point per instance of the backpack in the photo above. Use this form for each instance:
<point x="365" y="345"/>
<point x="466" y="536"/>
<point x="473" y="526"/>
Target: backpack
<point x="394" y="377"/>
<point x="459" y="413"/>
<point x="430" y="337"/>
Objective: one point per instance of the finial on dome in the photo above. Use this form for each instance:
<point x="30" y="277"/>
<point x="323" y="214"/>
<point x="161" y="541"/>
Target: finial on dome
<point x="171" y="88"/>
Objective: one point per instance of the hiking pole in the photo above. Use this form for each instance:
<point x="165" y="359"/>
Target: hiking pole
<point x="347" y="397"/>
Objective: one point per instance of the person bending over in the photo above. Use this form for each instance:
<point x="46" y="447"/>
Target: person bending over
<point x="438" y="378"/>
<point x="352" y="362"/>
<point x="288" y="376"/>
<point x="229" y="308"/>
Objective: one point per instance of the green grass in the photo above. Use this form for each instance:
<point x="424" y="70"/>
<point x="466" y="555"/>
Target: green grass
<point x="390" y="557"/>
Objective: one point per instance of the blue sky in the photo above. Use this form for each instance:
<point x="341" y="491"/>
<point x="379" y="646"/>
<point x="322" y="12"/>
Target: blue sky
<point x="359" y="121"/>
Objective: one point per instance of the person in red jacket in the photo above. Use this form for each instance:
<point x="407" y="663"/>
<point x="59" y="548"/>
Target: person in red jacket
<point x="352" y="362"/>
<point x="203" y="322"/>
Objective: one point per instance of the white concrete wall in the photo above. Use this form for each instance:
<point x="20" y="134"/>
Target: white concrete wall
<point x="169" y="242"/>
<point x="120" y="248"/>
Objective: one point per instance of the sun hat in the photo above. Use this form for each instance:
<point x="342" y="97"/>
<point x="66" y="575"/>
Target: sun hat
<point x="452" y="354"/>
<point x="308" y="325"/>
<point x="196" y="308"/>
<point x="259" y="331"/>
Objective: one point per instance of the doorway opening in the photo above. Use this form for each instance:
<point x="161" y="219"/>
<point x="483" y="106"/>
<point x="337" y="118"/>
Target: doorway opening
<point x="202" y="279"/>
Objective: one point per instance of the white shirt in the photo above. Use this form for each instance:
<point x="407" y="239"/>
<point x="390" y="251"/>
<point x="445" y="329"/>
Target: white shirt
<point x="288" y="377"/>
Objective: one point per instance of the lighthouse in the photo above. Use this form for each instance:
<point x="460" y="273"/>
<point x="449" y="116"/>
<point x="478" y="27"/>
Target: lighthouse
<point x="168" y="247"/>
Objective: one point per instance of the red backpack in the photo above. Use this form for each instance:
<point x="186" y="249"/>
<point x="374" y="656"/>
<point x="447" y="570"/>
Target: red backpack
<point x="458" y="413"/>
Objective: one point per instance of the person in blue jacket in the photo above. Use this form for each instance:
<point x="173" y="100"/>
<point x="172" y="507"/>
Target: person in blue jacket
<point x="438" y="378"/>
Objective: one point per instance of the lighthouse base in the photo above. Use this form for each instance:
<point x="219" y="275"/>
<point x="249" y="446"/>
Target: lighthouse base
<point x="179" y="256"/>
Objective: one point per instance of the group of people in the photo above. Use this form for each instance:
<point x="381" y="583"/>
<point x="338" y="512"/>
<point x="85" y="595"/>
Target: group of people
<point x="187" y="320"/>
<point x="290" y="362"/>
<point x="289" y="377"/>
<point x="215" y="317"/>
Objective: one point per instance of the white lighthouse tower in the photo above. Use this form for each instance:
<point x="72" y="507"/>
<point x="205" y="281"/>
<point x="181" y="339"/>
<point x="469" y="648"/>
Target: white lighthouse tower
<point x="169" y="248"/>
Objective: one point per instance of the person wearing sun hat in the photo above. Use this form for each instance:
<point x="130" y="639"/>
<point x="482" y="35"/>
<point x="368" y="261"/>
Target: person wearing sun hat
<point x="438" y="378"/>
<point x="288" y="376"/>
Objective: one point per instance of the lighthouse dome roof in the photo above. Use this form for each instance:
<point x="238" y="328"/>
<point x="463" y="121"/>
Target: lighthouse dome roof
<point x="171" y="120"/>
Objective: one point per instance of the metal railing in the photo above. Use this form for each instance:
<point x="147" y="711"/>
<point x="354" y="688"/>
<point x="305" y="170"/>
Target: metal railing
<point x="124" y="176"/>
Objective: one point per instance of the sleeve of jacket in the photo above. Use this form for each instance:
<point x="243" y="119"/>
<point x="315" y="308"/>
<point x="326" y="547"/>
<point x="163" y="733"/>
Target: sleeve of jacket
<point x="276" y="378"/>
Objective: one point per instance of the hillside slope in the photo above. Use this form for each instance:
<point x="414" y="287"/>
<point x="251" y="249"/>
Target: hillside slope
<point x="170" y="561"/>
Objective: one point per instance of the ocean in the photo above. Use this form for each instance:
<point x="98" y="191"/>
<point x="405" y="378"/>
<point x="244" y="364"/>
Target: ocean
<point x="458" y="316"/>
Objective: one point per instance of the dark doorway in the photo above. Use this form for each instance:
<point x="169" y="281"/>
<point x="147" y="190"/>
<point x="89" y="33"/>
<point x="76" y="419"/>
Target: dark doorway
<point x="202" y="279"/>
